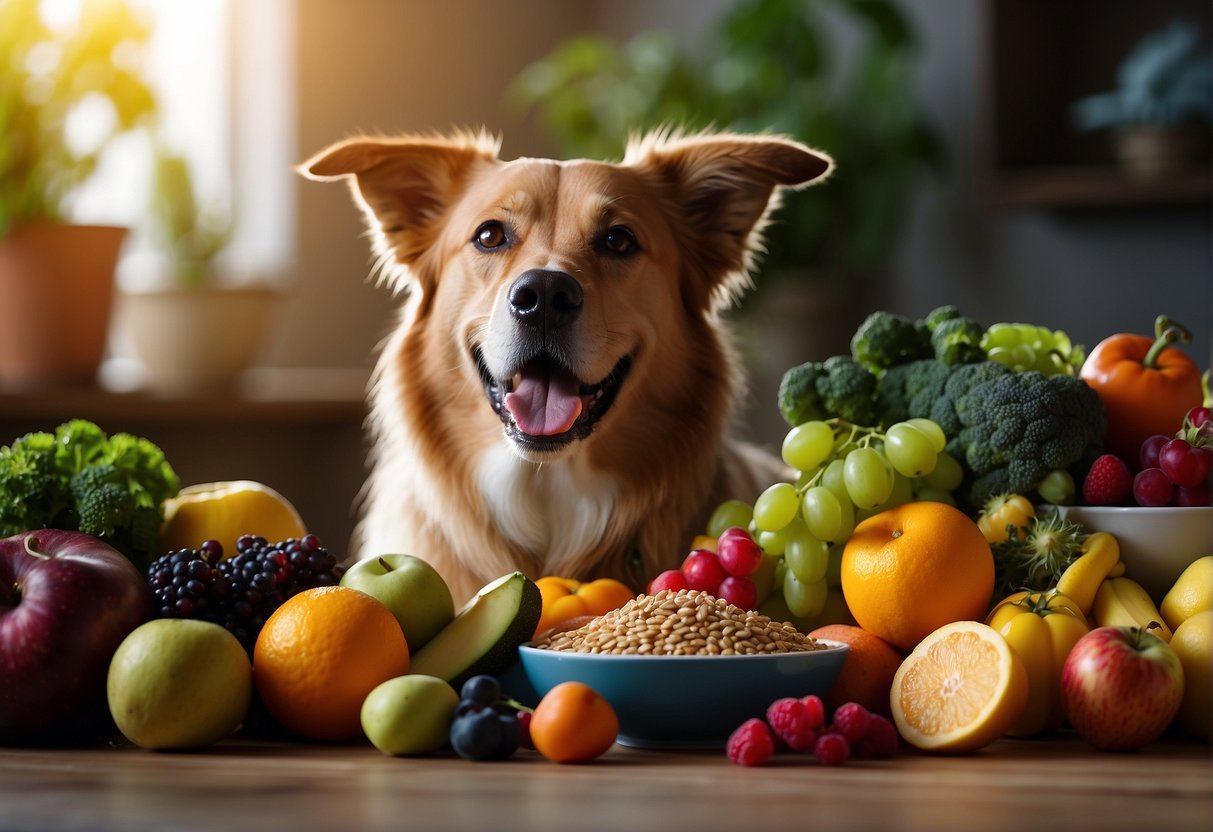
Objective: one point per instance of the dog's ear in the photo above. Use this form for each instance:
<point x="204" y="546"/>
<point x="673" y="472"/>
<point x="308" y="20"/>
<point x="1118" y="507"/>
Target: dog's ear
<point x="725" y="186"/>
<point x="404" y="186"/>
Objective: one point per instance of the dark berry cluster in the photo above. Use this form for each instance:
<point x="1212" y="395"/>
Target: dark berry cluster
<point x="486" y="726"/>
<point x="799" y="724"/>
<point x="240" y="592"/>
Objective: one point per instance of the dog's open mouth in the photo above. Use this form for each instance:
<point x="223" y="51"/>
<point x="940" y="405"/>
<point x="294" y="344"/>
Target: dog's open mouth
<point x="544" y="406"/>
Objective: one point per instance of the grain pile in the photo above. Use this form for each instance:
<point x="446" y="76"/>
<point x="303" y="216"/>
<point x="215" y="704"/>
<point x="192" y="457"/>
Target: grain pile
<point x="682" y="623"/>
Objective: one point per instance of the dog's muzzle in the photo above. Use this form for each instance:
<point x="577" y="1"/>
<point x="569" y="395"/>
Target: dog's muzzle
<point x="542" y="402"/>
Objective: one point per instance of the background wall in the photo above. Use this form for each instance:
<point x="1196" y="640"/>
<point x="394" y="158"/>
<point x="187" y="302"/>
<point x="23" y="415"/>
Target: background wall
<point x="386" y="66"/>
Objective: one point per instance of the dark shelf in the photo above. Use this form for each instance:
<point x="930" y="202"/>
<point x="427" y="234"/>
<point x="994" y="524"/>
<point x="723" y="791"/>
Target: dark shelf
<point x="1094" y="186"/>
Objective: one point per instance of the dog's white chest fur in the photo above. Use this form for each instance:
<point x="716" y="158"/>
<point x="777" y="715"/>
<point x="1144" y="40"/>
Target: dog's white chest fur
<point x="560" y="508"/>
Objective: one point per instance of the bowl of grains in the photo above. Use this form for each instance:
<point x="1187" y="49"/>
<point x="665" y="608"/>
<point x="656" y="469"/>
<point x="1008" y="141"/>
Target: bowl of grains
<point x="683" y="669"/>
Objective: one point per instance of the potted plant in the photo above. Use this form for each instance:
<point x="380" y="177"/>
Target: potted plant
<point x="1161" y="110"/>
<point x="56" y="279"/>
<point x="771" y="65"/>
<point x="194" y="328"/>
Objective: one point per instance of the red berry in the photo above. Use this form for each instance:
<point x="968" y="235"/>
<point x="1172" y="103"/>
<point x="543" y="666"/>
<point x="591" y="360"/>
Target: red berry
<point x="703" y="570"/>
<point x="790" y="720"/>
<point x="1184" y="464"/>
<point x="524" y="725"/>
<point x="1198" y="415"/>
<point x="832" y="749"/>
<point x="751" y="744"/>
<point x="671" y="579"/>
<point x="740" y="592"/>
<point x="1148" y="455"/>
<point x="1152" y="488"/>
<point x="816" y="709"/>
<point x="851" y="720"/>
<point x="739" y="554"/>
<point x="1108" y="482"/>
<point x="881" y="740"/>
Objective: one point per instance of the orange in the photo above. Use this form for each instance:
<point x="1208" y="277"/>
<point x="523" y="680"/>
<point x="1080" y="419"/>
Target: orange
<point x="224" y="511"/>
<point x="320" y="654"/>
<point x="573" y="724"/>
<point x="960" y="689"/>
<point x="914" y="568"/>
<point x="867" y="673"/>
<point x="565" y="598"/>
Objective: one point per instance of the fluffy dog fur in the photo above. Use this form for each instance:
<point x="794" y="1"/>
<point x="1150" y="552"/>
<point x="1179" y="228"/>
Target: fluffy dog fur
<point x="635" y="355"/>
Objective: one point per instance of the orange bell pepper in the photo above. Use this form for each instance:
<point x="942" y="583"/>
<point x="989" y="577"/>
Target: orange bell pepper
<point x="1146" y="385"/>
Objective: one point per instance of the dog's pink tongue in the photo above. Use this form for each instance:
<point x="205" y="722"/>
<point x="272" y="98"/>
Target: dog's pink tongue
<point x="545" y="401"/>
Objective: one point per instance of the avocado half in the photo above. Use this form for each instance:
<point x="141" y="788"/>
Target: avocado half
<point x="484" y="637"/>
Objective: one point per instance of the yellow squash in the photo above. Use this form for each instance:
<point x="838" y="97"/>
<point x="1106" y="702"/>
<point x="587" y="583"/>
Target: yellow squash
<point x="1040" y="627"/>
<point x="1100" y="557"/>
<point x="1122" y="602"/>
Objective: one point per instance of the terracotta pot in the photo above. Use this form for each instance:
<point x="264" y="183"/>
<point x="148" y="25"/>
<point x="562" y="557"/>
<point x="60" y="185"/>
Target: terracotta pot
<point x="197" y="339"/>
<point x="56" y="296"/>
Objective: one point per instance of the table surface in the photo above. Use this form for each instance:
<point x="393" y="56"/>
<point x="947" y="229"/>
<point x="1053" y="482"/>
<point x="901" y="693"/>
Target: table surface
<point x="1034" y="785"/>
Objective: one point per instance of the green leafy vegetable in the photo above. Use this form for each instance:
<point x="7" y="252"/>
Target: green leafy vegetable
<point x="79" y="479"/>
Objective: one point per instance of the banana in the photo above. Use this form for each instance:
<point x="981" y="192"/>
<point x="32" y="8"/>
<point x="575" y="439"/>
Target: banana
<point x="1122" y="602"/>
<point x="1082" y="578"/>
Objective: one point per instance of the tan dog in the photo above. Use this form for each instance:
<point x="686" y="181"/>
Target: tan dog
<point x="556" y="395"/>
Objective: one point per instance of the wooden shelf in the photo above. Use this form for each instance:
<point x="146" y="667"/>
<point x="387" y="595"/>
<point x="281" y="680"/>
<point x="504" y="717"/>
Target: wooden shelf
<point x="1042" y="56"/>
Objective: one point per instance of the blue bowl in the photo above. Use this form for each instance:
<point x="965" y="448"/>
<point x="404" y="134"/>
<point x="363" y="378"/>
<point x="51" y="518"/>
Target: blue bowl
<point x="686" y="701"/>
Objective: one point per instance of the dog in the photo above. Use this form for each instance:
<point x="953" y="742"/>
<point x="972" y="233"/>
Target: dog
<point x="557" y="393"/>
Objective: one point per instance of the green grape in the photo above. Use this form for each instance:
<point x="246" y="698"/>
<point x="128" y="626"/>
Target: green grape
<point x="728" y="514"/>
<point x="804" y="600"/>
<point x="822" y="512"/>
<point x="764" y="577"/>
<point x="1057" y="487"/>
<point x="868" y="478"/>
<point x="927" y="494"/>
<point x="1000" y="335"/>
<point x="833" y="478"/>
<point x="1003" y="356"/>
<point x="773" y="543"/>
<point x="932" y="431"/>
<point x="808" y="445"/>
<point x="1044" y="339"/>
<point x="776" y="507"/>
<point x="1062" y="342"/>
<point x="848" y="521"/>
<point x="807" y="557"/>
<point x="909" y="450"/>
<point x="947" y="475"/>
<point x="1024" y="356"/>
<point x="834" y="565"/>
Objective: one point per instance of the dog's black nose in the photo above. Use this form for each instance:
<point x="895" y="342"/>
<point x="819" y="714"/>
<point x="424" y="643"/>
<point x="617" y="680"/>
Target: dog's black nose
<point x="545" y="299"/>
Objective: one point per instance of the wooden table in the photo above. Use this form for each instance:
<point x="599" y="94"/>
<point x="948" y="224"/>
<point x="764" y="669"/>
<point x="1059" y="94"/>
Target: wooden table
<point x="1032" y="785"/>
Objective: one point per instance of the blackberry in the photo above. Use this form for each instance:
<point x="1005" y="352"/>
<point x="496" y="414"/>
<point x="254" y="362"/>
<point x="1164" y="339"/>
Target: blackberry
<point x="243" y="591"/>
<point x="188" y="583"/>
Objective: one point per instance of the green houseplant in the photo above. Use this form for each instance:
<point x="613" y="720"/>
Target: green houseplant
<point x="1161" y="110"/>
<point x="56" y="279"/>
<point x="768" y="65"/>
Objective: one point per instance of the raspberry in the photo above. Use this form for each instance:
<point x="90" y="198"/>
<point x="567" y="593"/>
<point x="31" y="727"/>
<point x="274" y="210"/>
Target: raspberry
<point x="832" y="749"/>
<point x="1108" y="482"/>
<point x="751" y="744"/>
<point x="816" y="709"/>
<point x="851" y="720"/>
<point x="881" y="740"/>
<point x="791" y="722"/>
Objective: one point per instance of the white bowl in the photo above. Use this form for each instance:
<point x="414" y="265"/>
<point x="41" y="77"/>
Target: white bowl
<point x="1156" y="544"/>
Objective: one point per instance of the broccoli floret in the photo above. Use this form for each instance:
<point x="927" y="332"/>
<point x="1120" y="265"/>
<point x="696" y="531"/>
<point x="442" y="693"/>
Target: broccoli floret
<point x="886" y="339"/>
<point x="938" y="315"/>
<point x="103" y="501"/>
<point x="910" y="390"/>
<point x="836" y="387"/>
<point x="958" y="341"/>
<point x="1017" y="427"/>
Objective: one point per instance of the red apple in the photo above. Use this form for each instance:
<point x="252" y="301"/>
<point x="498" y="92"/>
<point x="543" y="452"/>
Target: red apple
<point x="1121" y="687"/>
<point x="67" y="600"/>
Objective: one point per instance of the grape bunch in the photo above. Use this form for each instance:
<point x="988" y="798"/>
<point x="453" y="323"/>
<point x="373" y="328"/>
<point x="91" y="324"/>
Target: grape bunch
<point x="1024" y="347"/>
<point x="487" y="726"/>
<point x="240" y="592"/>
<point x="1178" y="470"/>
<point x="846" y="474"/>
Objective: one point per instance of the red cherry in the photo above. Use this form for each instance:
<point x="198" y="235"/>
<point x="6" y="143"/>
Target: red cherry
<point x="1183" y="464"/>
<point x="740" y="592"/>
<point x="671" y="579"/>
<point x="738" y="553"/>
<point x="703" y="570"/>
<point x="1148" y="455"/>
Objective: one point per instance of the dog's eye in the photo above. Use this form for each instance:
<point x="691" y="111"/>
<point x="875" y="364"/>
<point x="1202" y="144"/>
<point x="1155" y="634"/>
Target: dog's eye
<point x="619" y="240"/>
<point x="490" y="235"/>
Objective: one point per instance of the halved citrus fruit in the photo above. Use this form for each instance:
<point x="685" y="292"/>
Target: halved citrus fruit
<point x="224" y="511"/>
<point x="960" y="689"/>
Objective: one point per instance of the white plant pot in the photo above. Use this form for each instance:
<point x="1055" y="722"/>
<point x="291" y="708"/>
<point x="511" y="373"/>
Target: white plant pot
<point x="200" y="339"/>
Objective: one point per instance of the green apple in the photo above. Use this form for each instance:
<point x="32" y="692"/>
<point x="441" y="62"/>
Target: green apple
<point x="409" y="587"/>
<point x="409" y="714"/>
<point x="179" y="683"/>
